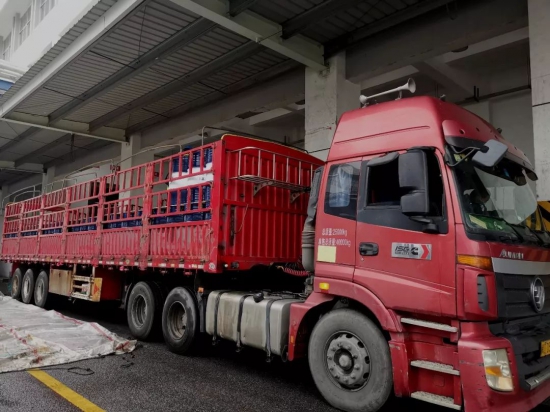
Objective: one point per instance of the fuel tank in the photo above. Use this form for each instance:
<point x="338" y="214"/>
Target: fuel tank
<point x="236" y="316"/>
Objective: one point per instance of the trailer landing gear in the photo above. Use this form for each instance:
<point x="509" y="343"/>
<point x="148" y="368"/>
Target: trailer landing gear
<point x="350" y="361"/>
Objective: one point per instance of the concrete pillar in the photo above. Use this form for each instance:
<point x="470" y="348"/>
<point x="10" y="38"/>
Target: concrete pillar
<point x="47" y="179"/>
<point x="539" y="41"/>
<point x="328" y="95"/>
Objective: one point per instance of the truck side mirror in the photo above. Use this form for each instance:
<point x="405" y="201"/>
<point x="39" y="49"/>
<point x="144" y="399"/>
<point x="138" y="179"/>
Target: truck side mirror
<point x="413" y="180"/>
<point x="490" y="154"/>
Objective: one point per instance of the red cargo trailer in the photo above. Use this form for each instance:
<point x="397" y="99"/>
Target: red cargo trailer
<point x="230" y="205"/>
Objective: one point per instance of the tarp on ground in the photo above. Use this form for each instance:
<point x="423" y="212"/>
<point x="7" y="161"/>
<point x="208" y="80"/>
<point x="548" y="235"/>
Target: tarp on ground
<point x="31" y="337"/>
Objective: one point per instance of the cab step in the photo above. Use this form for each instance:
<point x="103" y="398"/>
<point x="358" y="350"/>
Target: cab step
<point x="436" y="399"/>
<point x="434" y="366"/>
<point x="429" y="325"/>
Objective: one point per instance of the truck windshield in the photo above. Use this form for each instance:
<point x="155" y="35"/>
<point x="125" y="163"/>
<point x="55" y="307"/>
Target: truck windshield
<point x="499" y="199"/>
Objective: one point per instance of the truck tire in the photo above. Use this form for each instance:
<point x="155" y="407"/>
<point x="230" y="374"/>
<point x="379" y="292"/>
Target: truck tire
<point x="27" y="289"/>
<point x="350" y="361"/>
<point x="144" y="310"/>
<point x="41" y="289"/>
<point x="16" y="284"/>
<point x="180" y="321"/>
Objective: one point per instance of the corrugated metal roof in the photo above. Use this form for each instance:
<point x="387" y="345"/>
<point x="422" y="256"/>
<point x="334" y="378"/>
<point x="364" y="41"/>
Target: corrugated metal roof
<point x="354" y="18"/>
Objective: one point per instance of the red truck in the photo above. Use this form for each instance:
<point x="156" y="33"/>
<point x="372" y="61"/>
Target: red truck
<point x="413" y="262"/>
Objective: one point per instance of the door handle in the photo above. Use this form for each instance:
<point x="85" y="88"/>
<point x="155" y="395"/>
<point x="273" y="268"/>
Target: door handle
<point x="368" y="249"/>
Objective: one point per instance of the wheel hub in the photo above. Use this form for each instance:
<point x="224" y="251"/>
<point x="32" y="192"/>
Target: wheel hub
<point x="177" y="320"/>
<point x="348" y="361"/>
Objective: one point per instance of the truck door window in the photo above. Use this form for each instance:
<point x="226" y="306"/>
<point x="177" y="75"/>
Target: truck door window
<point x="341" y="192"/>
<point x="382" y="198"/>
<point x="384" y="187"/>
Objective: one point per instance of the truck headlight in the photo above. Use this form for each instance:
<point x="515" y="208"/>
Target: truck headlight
<point x="497" y="370"/>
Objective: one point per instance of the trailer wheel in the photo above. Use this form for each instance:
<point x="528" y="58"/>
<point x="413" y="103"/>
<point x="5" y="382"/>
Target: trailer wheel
<point x="350" y="361"/>
<point x="27" y="289"/>
<point x="41" y="289"/>
<point x="16" y="284"/>
<point x="180" y="321"/>
<point x="144" y="310"/>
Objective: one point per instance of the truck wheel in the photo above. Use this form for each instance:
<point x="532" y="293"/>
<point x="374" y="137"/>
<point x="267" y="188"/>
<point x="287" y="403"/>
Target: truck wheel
<point x="41" y="289"/>
<point x="180" y="321"/>
<point x="144" y="310"/>
<point x="27" y="290"/>
<point x="350" y="361"/>
<point x="16" y="284"/>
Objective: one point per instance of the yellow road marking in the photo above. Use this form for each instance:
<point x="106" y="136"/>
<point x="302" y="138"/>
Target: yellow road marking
<point x="77" y="400"/>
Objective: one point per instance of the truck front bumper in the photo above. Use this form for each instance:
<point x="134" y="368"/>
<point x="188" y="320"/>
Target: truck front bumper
<point x="478" y="396"/>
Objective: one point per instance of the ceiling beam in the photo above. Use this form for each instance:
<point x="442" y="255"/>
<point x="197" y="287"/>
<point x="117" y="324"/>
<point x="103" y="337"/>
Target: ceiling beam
<point x="30" y="167"/>
<point x="343" y="42"/>
<point x="221" y="94"/>
<point x="314" y="15"/>
<point x="67" y="126"/>
<point x="284" y="90"/>
<point x="434" y="35"/>
<point x="28" y="158"/>
<point x="139" y="65"/>
<point x="81" y="44"/>
<point x="76" y="154"/>
<point x="238" y="6"/>
<point x="260" y="30"/>
<point x="19" y="138"/>
<point x="207" y="70"/>
<point x="458" y="85"/>
<point x="388" y="77"/>
<point x="489" y="44"/>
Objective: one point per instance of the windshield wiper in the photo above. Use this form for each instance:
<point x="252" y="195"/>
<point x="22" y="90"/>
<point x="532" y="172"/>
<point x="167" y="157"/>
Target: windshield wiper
<point x="534" y="232"/>
<point x="501" y="219"/>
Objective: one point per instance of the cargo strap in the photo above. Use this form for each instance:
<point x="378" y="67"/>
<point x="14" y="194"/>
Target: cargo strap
<point x="268" y="325"/>
<point x="216" y="307"/>
<point x="241" y="304"/>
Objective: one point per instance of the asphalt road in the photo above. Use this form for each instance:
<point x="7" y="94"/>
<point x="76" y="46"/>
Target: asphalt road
<point x="153" y="379"/>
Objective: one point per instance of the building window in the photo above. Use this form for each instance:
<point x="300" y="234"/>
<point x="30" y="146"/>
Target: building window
<point x="6" y="49"/>
<point x="25" y="26"/>
<point x="45" y="7"/>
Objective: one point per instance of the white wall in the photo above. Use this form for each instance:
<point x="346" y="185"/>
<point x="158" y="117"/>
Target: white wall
<point x="513" y="114"/>
<point x="44" y="34"/>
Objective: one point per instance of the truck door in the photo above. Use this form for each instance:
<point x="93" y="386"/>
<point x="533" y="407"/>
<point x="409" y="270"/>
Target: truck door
<point x="406" y="267"/>
<point x="336" y="220"/>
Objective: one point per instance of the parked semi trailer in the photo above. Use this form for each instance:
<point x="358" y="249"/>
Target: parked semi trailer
<point x="414" y="261"/>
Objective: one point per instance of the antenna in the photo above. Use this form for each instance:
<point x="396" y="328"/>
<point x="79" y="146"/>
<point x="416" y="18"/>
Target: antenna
<point x="409" y="86"/>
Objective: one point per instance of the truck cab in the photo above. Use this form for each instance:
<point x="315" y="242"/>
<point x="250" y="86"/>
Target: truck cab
<point x="427" y="223"/>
